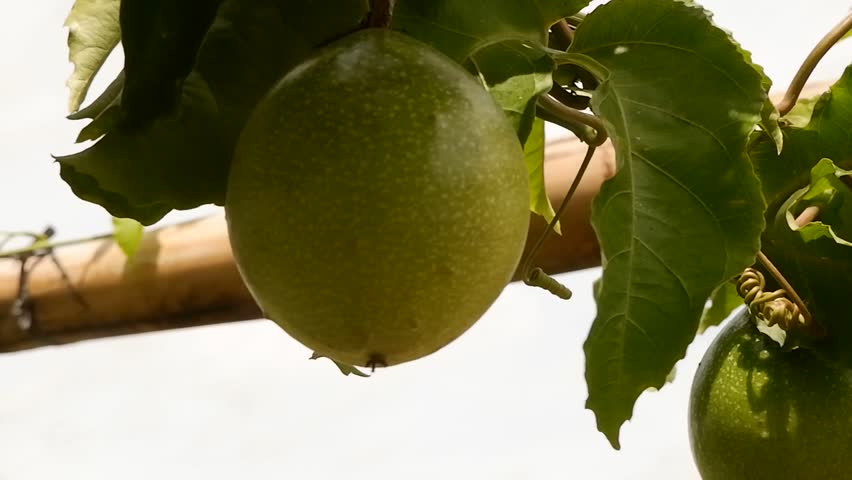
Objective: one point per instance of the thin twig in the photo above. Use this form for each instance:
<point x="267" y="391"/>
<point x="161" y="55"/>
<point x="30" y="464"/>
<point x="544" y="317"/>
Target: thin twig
<point x="22" y="308"/>
<point x="822" y="47"/>
<point x="525" y="270"/>
<point x="75" y="294"/>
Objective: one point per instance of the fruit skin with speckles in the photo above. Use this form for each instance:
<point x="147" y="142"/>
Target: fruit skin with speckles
<point x="378" y="200"/>
<point x="757" y="412"/>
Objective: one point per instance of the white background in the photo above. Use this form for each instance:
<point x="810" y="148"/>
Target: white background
<point x="242" y="401"/>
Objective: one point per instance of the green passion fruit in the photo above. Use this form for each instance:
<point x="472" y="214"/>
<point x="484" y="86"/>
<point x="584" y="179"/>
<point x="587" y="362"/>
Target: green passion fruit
<point x="759" y="412"/>
<point x="378" y="200"/>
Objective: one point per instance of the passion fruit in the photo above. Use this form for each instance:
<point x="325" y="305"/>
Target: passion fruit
<point x="378" y="200"/>
<point x="759" y="412"/>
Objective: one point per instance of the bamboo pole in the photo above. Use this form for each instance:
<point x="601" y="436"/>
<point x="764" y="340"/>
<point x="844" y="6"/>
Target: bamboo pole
<point x="181" y="276"/>
<point x="184" y="275"/>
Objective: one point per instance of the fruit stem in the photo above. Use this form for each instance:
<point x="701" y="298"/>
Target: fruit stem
<point x="381" y="12"/>
<point x="811" y="61"/>
<point x="534" y="276"/>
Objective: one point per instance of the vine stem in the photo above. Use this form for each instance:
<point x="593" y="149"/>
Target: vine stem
<point x="573" y="120"/>
<point x="40" y="247"/>
<point x="807" y="216"/>
<point x="794" y="296"/>
<point x="564" y="29"/>
<point x="527" y="271"/>
<point x="801" y="78"/>
<point x="381" y="12"/>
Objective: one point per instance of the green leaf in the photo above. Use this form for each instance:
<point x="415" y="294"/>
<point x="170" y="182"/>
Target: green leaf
<point x="161" y="39"/>
<point x="176" y="162"/>
<point x="93" y="32"/>
<point x="128" y="234"/>
<point x="534" y="155"/>
<point x="460" y="27"/>
<point x="672" y="376"/>
<point x="723" y="301"/>
<point x="800" y="114"/>
<point x="515" y="74"/>
<point x="108" y="98"/>
<point x="816" y="230"/>
<point x="834" y="200"/>
<point x="344" y="368"/>
<point x="106" y="121"/>
<point x="770" y="124"/>
<point x="769" y="116"/>
<point x="180" y="160"/>
<point x="684" y="212"/>
<point x="826" y="135"/>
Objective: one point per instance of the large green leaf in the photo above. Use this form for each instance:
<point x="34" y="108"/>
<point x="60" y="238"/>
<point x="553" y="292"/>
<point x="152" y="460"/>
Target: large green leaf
<point x="93" y="32"/>
<point x="460" y="27"/>
<point x="180" y="159"/>
<point x="808" y="137"/>
<point x="161" y="39"/>
<point x="176" y="162"/>
<point x="684" y="212"/>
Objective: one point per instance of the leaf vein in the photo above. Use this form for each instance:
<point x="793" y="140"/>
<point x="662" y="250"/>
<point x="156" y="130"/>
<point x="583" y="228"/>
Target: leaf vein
<point x="718" y="68"/>
<point x="685" y="120"/>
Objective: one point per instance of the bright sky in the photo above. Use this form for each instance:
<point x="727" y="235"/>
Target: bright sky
<point x="241" y="401"/>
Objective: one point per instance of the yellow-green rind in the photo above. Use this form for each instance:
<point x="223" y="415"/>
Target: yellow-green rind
<point x="378" y="200"/>
<point x="757" y="412"/>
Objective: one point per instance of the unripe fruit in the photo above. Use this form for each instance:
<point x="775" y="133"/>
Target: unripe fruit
<point x="757" y="412"/>
<point x="378" y="200"/>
